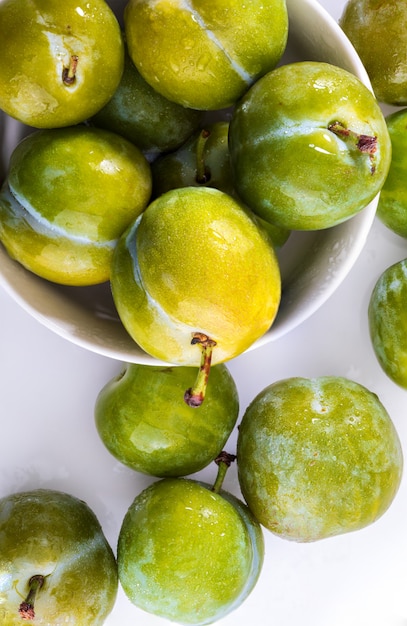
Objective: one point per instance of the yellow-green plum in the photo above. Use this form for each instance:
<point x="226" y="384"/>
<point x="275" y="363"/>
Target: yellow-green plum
<point x="69" y="195"/>
<point x="378" y="31"/>
<point x="56" y="565"/>
<point x="144" y="422"/>
<point x="392" y="205"/>
<point x="318" y="457"/>
<point x="145" y="117"/>
<point x="204" y="54"/>
<point x="194" y="277"/>
<point x="55" y="69"/>
<point x="188" y="552"/>
<point x="309" y="146"/>
<point x="387" y="314"/>
<point x="203" y="160"/>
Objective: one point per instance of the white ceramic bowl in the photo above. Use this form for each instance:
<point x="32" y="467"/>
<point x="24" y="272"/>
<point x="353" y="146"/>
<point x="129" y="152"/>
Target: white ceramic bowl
<point x="313" y="264"/>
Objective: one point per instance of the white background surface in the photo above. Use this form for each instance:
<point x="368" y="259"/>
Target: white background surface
<point x="48" y="439"/>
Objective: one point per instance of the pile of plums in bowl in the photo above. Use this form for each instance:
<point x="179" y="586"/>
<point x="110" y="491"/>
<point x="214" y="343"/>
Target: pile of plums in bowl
<point x="184" y="193"/>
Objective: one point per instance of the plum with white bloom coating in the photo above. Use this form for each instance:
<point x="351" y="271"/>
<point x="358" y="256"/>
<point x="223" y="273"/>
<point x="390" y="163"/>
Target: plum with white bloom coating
<point x="69" y="195"/>
<point x="318" y="457"/>
<point x="56" y="565"/>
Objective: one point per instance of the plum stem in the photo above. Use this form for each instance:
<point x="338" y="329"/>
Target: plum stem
<point x="26" y="609"/>
<point x="364" y="143"/>
<point x="194" y="396"/>
<point x="69" y="73"/>
<point x="223" y="461"/>
<point x="203" y="174"/>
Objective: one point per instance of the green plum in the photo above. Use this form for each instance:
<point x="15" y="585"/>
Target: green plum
<point x="317" y="457"/>
<point x="204" y="54"/>
<point x="55" y="69"/>
<point x="392" y="206"/>
<point x="145" y="117"/>
<point x="387" y="315"/>
<point x="69" y="195"/>
<point x="195" y="279"/>
<point x="203" y="160"/>
<point x="378" y="31"/>
<point x="188" y="552"/>
<point x="144" y="422"/>
<point x="309" y="146"/>
<point x="56" y="566"/>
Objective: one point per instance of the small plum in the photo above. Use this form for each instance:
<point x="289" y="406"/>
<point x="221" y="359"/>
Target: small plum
<point x="195" y="279"/>
<point x="143" y="421"/>
<point x="392" y="206"/>
<point x="204" y="54"/>
<point x="69" y="195"/>
<point x="56" y="566"/>
<point x="142" y="115"/>
<point x="318" y="457"/>
<point x="309" y="146"/>
<point x="189" y="552"/>
<point x="387" y="315"/>
<point x="378" y="31"/>
<point x="55" y="69"/>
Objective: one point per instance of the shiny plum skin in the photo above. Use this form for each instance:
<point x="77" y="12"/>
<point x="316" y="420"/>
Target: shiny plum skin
<point x="204" y="54"/>
<point x="188" y="554"/>
<point x="309" y="146"/>
<point x="387" y="316"/>
<point x="143" y="420"/>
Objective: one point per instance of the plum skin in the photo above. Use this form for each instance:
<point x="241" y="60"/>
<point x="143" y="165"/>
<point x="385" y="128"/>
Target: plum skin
<point x="52" y="533"/>
<point x="195" y="261"/>
<point x="387" y="318"/>
<point x="317" y="457"/>
<point x="377" y="29"/>
<point x="291" y="163"/>
<point x="38" y="39"/>
<point x="188" y="554"/>
<point x="69" y="194"/>
<point x="143" y="420"/>
<point x="392" y="206"/>
<point x="205" y="54"/>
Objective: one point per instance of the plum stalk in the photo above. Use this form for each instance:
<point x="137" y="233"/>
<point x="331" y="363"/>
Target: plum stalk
<point x="194" y="396"/>
<point x="26" y="609"/>
<point x="223" y="461"/>
<point x="203" y="174"/>
<point x="363" y="143"/>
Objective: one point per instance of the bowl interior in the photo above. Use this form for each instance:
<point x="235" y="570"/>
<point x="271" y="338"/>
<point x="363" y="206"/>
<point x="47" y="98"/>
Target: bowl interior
<point x="313" y="264"/>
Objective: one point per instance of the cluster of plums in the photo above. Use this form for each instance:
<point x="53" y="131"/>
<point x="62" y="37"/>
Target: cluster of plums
<point x="123" y="179"/>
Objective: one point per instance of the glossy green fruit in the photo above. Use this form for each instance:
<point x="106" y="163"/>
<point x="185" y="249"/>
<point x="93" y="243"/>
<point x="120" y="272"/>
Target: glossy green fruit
<point x="187" y="553"/>
<point x="309" y="146"/>
<point x="205" y="53"/>
<point x="204" y="161"/>
<point x="55" y="69"/>
<point x="144" y="422"/>
<point x="144" y="116"/>
<point x="195" y="273"/>
<point x="387" y="315"/>
<point x="378" y="31"/>
<point x="69" y="195"/>
<point x="392" y="206"/>
<point x="317" y="457"/>
<point x="52" y="542"/>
